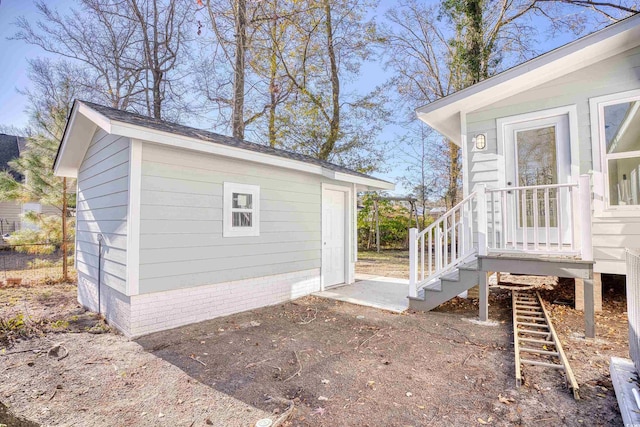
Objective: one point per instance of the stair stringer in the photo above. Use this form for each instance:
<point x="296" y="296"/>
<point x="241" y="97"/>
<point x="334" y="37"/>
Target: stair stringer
<point x="448" y="286"/>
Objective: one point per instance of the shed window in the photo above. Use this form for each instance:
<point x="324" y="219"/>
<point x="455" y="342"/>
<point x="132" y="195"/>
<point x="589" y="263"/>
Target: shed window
<point x="241" y="210"/>
<point x="621" y="139"/>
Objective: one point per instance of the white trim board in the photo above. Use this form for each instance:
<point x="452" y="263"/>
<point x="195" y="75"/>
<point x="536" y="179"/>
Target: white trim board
<point x="133" y="217"/>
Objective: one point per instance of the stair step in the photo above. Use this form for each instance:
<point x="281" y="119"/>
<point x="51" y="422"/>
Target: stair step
<point x="452" y="276"/>
<point x="470" y="266"/>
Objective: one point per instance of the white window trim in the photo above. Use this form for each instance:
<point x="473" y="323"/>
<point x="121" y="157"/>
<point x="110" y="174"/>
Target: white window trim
<point x="228" y="230"/>
<point x="598" y="143"/>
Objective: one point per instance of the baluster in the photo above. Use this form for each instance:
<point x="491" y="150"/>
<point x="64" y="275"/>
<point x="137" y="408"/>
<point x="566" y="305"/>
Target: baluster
<point x="547" y="220"/>
<point x="503" y="216"/>
<point x="438" y="248"/>
<point x="572" y="221"/>
<point x="525" y="229"/>
<point x="430" y="251"/>
<point x="493" y="221"/>
<point x="515" y="219"/>
<point x="422" y="257"/>
<point x="559" y="217"/>
<point x="536" y="225"/>
<point x="453" y="237"/>
<point x="445" y="232"/>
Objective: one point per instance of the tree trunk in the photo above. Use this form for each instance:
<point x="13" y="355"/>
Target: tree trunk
<point x="273" y="89"/>
<point x="334" y="125"/>
<point x="237" y="120"/>
<point x="454" y="175"/>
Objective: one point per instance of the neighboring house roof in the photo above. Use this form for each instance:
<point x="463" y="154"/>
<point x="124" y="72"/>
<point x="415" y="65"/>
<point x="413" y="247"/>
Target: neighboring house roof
<point x="10" y="147"/>
<point x="86" y="116"/>
<point x="444" y="114"/>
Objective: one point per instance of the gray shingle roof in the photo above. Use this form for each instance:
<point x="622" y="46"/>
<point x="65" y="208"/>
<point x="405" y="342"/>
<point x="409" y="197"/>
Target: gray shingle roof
<point x="161" y="125"/>
<point x="10" y="147"/>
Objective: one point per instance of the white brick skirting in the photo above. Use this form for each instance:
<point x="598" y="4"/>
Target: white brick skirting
<point x="142" y="314"/>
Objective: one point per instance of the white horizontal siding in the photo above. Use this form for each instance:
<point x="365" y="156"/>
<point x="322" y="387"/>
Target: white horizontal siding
<point x="181" y="243"/>
<point x="102" y="201"/>
<point x="617" y="74"/>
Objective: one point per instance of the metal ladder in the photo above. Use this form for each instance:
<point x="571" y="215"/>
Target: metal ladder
<point x="533" y="334"/>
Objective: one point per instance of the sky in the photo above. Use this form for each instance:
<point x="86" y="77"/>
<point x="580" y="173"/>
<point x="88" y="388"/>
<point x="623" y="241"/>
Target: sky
<point x="14" y="57"/>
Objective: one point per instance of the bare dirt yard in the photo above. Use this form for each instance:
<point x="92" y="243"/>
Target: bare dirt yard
<point x="308" y="362"/>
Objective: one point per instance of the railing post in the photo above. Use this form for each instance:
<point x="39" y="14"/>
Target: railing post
<point x="482" y="219"/>
<point x="413" y="262"/>
<point x="584" y="191"/>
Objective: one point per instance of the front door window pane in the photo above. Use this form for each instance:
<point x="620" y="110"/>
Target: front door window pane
<point x="537" y="165"/>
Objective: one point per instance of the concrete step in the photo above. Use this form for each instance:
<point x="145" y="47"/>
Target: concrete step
<point x="447" y="287"/>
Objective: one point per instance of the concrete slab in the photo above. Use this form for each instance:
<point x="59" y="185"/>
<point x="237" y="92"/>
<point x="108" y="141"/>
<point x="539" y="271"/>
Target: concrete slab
<point x="386" y="293"/>
<point x="625" y="380"/>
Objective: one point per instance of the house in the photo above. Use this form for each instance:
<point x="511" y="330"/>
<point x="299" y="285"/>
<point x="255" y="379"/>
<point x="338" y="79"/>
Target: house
<point x="551" y="166"/>
<point x="177" y="225"/>
<point x="11" y="212"/>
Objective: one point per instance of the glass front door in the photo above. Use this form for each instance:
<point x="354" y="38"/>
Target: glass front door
<point x="537" y="152"/>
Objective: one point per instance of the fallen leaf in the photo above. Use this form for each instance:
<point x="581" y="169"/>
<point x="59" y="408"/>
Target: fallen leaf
<point x="481" y="421"/>
<point x="409" y="394"/>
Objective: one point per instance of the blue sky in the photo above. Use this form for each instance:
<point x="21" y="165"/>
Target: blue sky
<point x="14" y="55"/>
<point x="13" y="61"/>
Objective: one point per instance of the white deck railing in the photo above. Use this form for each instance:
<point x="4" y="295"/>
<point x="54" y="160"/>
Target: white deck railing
<point x="538" y="220"/>
<point x="441" y="246"/>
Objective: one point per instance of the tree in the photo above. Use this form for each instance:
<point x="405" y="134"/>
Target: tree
<point x="50" y="102"/>
<point x="323" y="54"/>
<point x="162" y="27"/>
<point x="129" y="51"/>
<point x="96" y="38"/>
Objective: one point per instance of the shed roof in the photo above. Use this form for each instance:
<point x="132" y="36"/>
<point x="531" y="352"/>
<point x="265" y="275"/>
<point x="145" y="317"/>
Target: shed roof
<point x="445" y="114"/>
<point x="142" y="127"/>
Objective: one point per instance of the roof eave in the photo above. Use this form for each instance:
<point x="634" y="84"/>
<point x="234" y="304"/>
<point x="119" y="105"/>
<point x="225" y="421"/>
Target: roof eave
<point x="443" y="114"/>
<point x="67" y="165"/>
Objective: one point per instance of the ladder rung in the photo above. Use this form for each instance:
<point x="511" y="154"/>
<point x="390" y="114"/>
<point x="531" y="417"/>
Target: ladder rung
<point x="530" y="331"/>
<point x="545" y="364"/>
<point x="535" y="325"/>
<point x="536" y="351"/>
<point x="527" y="304"/>
<point x="536" y="341"/>
<point x="528" y="310"/>
<point x="530" y="317"/>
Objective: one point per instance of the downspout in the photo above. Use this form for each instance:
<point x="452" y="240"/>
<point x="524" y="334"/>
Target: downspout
<point x="100" y="239"/>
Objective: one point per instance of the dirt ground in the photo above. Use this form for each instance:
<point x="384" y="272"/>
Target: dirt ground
<point x="321" y="362"/>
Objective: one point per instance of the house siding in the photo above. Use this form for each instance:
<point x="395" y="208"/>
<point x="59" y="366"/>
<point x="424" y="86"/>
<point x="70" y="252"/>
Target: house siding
<point x="617" y="74"/>
<point x="102" y="208"/>
<point x="181" y="243"/>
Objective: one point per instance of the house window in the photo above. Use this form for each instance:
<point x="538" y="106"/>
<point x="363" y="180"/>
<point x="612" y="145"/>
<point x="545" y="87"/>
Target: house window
<point x="241" y="212"/>
<point x="620" y="135"/>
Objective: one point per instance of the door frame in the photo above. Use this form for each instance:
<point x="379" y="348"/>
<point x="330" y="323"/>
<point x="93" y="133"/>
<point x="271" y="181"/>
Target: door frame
<point x="504" y="123"/>
<point x="348" y="230"/>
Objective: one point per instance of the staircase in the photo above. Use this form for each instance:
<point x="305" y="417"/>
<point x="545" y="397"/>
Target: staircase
<point x="490" y="227"/>
<point x="447" y="286"/>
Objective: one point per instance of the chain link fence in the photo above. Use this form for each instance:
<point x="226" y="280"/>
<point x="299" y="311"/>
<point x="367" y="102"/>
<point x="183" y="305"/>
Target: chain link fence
<point x="633" y="304"/>
<point x="32" y="264"/>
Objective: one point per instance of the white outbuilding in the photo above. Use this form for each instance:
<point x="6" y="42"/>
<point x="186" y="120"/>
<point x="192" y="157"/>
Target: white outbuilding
<point x="176" y="225"/>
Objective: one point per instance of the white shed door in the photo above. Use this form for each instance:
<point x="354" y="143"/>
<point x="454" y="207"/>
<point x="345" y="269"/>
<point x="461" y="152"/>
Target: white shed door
<point x="333" y="237"/>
